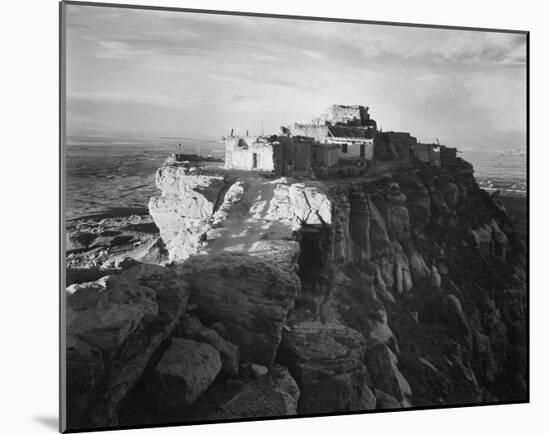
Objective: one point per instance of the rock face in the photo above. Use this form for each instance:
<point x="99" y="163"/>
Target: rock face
<point x="184" y="372"/>
<point x="115" y="326"/>
<point x="183" y="211"/>
<point x="326" y="361"/>
<point x="271" y="395"/>
<point x="249" y="296"/>
<point x="403" y="285"/>
<point x="192" y="328"/>
<point x="104" y="313"/>
<point x="382" y="365"/>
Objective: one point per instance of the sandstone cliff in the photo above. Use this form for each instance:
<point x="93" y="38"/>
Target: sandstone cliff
<point x="406" y="287"/>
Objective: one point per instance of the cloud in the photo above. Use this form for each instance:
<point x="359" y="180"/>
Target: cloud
<point x="207" y="73"/>
<point x="313" y="54"/>
<point x="117" y="98"/>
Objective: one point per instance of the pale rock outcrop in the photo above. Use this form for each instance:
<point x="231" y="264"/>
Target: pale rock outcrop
<point x="311" y="204"/>
<point x="326" y="361"/>
<point x="184" y="210"/>
<point x="250" y="296"/>
<point x="281" y="207"/>
<point x="184" y="372"/>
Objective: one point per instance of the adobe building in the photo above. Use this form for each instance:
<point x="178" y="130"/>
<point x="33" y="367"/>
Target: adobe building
<point x="281" y="155"/>
<point x="252" y="153"/>
<point x="325" y="154"/>
<point x="338" y="121"/>
<point x="346" y="132"/>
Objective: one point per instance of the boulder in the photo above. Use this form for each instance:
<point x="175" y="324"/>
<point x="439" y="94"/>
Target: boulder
<point x="326" y="361"/>
<point x="114" y="327"/>
<point x="184" y="372"/>
<point x="250" y="296"/>
<point x="104" y="313"/>
<point x="192" y="328"/>
<point x="257" y="371"/>
<point x="274" y="394"/>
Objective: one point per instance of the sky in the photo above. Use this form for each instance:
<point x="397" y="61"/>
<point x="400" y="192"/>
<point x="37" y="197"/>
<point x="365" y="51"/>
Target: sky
<point x="143" y="73"/>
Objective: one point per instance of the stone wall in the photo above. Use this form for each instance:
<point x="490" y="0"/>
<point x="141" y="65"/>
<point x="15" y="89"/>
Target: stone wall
<point x="428" y="153"/>
<point x="318" y="132"/>
<point x="300" y="148"/>
<point x="354" y="115"/>
<point x="352" y="149"/>
<point x="325" y="155"/>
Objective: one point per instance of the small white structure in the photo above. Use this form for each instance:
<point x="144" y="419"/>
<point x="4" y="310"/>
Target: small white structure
<point x="250" y="153"/>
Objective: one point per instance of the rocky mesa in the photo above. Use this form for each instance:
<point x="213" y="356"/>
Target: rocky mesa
<point x="396" y="287"/>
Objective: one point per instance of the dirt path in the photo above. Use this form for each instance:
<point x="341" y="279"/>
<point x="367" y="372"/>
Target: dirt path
<point x="250" y="228"/>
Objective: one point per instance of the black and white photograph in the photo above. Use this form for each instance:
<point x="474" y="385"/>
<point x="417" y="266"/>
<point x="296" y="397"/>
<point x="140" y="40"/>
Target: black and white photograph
<point x="275" y="216"/>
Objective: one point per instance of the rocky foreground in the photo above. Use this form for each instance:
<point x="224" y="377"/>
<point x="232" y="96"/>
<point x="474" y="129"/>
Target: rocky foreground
<point x="269" y="297"/>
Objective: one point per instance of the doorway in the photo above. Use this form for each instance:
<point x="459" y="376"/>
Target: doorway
<point x="254" y="160"/>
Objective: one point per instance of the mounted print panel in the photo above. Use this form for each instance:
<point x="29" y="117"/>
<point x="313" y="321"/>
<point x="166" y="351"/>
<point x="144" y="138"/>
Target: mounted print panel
<point x="269" y="216"/>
